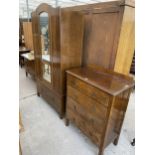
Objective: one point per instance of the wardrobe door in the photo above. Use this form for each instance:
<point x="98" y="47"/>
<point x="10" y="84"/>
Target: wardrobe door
<point x="45" y="16"/>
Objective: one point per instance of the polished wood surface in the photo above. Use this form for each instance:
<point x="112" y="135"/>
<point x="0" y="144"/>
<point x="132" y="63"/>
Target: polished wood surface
<point x="110" y="83"/>
<point x="27" y="31"/>
<point x="126" y="44"/>
<point x="71" y="42"/>
<point x="101" y="39"/>
<point x="97" y="102"/>
<point x="66" y="42"/>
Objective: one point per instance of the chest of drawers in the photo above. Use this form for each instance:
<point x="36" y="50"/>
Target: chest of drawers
<point x="97" y="102"/>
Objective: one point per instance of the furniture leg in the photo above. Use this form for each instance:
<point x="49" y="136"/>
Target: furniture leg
<point x="133" y="142"/>
<point x="67" y="122"/>
<point x="38" y="94"/>
<point x="20" y="150"/>
<point x="61" y="116"/>
<point x="101" y="151"/>
<point x="116" y="141"/>
<point x="26" y="74"/>
<point x="20" y="62"/>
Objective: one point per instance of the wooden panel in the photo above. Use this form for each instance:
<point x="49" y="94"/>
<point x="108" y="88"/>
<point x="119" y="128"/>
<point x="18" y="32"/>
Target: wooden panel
<point x="37" y="46"/>
<point x="99" y="48"/>
<point x="52" y="98"/>
<point x="126" y="46"/>
<point x="116" y="117"/>
<point x="72" y="27"/>
<point x="56" y="52"/>
<point x="27" y="28"/>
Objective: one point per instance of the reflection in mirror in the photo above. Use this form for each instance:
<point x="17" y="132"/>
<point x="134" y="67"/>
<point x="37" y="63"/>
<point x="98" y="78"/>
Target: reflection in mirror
<point x="46" y="72"/>
<point x="44" y="34"/>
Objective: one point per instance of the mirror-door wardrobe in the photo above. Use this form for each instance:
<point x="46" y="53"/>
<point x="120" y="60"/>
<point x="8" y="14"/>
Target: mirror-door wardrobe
<point x="58" y="39"/>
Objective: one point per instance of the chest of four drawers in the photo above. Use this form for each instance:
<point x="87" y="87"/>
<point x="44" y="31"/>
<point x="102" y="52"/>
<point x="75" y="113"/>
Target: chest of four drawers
<point x="87" y="107"/>
<point x="96" y="103"/>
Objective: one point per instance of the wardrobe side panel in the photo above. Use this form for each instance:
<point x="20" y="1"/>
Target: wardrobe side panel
<point x="72" y="27"/>
<point x="126" y="45"/>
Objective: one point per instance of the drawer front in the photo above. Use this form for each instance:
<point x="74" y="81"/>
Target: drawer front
<point x="95" y="122"/>
<point x="84" y="126"/>
<point x="89" y="105"/>
<point x="89" y="90"/>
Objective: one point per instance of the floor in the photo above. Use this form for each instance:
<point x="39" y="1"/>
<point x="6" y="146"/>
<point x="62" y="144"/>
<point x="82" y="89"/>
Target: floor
<point x="45" y="134"/>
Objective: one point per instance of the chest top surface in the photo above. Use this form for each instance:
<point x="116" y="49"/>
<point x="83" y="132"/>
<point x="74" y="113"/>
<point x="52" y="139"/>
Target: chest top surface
<point x="108" y="81"/>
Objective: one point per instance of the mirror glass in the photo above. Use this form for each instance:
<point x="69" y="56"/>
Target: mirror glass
<point x="44" y="36"/>
<point x="46" y="72"/>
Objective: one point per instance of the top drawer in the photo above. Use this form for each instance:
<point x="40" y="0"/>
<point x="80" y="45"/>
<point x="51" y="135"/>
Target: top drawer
<point x="89" y="90"/>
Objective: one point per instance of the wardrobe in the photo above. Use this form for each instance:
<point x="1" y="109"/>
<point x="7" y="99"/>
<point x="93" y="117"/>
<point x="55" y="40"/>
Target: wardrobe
<point x="109" y="35"/>
<point x="58" y="40"/>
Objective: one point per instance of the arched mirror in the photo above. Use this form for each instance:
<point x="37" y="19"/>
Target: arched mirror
<point x="45" y="50"/>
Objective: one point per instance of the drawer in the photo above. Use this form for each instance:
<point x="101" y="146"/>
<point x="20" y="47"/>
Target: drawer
<point x="89" y="105"/>
<point x="95" y="122"/>
<point x="84" y="126"/>
<point x="89" y="90"/>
